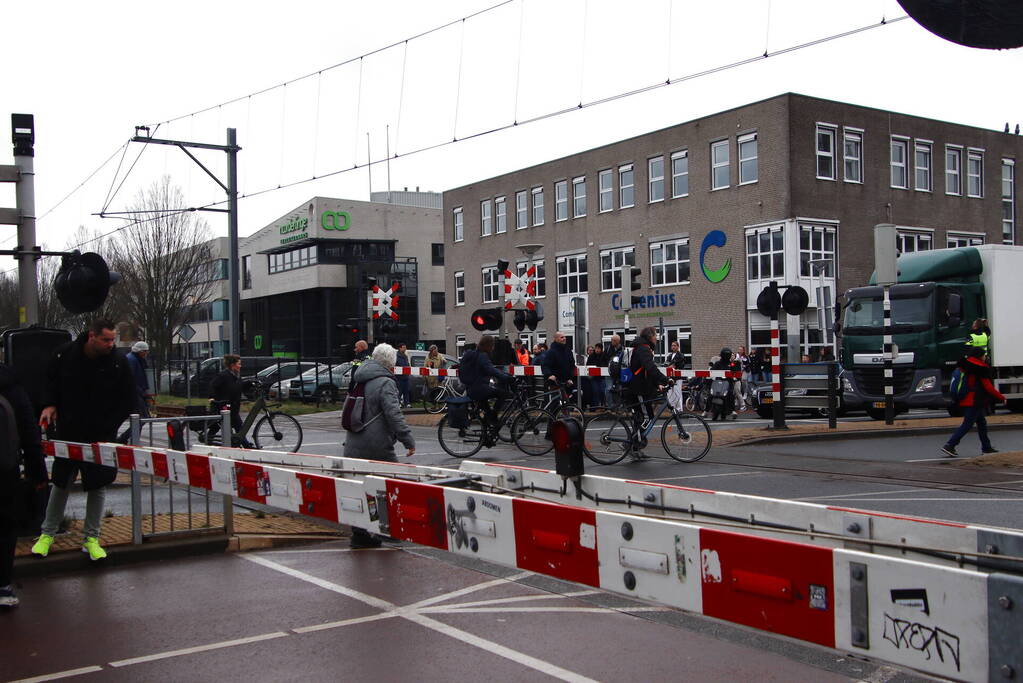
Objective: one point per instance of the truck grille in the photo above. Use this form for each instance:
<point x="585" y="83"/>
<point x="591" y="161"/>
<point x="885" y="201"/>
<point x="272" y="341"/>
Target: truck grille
<point x="870" y="381"/>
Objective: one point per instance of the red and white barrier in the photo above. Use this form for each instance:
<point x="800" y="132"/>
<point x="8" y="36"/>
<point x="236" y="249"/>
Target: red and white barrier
<point x="580" y="371"/>
<point x="947" y="621"/>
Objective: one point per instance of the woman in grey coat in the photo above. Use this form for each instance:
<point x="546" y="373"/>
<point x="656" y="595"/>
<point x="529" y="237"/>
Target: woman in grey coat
<point x="385" y="423"/>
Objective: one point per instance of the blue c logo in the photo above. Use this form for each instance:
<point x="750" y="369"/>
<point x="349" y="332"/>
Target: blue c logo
<point x="714" y="238"/>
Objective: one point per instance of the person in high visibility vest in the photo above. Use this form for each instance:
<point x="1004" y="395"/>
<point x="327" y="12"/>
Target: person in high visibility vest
<point x="980" y="335"/>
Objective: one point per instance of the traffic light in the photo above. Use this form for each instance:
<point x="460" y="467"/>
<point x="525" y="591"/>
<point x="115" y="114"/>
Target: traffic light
<point x="520" y="320"/>
<point x="795" y="300"/>
<point x="83" y="281"/>
<point x="487" y="318"/>
<point x="630" y="283"/>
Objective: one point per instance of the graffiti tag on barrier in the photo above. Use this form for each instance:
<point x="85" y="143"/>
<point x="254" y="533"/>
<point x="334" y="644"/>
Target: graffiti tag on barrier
<point x="930" y="640"/>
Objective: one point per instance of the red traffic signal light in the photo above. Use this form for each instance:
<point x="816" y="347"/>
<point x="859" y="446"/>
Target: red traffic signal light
<point x="487" y="318"/>
<point x="83" y="282"/>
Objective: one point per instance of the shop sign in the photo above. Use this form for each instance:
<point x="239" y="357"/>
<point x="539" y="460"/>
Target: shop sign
<point x="655" y="300"/>
<point x="335" y="220"/>
<point x="714" y="238"/>
<point x="295" y="229"/>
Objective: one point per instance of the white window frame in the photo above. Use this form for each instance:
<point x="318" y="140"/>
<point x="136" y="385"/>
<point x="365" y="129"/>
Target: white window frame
<point x="972" y="155"/>
<point x="490" y="285"/>
<point x="560" y="201"/>
<point x="541" y="275"/>
<point x="611" y="262"/>
<point x="459" y="345"/>
<point x="744" y="143"/>
<point x="852" y="136"/>
<point x="923" y="171"/>
<point x="830" y="133"/>
<point x="486" y="219"/>
<point x="956" y="240"/>
<point x="818" y="252"/>
<point x="655" y="180"/>
<point x="679" y="173"/>
<point x="922" y="240"/>
<point x="521" y="210"/>
<point x="1009" y="201"/>
<point x="716" y="164"/>
<point x="954" y="175"/>
<point x="573" y="275"/>
<point x="773" y="253"/>
<point x="500" y="215"/>
<point x="458" y="223"/>
<point x="579" y="197"/>
<point x="623" y="187"/>
<point x="606" y="190"/>
<point x="536" y="195"/>
<point x="663" y="263"/>
<point x="899" y="142"/>
<point x="459" y="288"/>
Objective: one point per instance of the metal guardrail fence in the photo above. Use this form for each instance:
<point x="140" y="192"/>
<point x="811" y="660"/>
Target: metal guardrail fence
<point x="139" y="425"/>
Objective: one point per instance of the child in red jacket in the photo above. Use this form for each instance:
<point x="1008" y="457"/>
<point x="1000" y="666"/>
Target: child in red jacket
<point x="980" y="395"/>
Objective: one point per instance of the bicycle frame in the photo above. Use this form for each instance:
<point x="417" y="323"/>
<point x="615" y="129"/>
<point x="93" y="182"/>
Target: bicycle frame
<point x="625" y="411"/>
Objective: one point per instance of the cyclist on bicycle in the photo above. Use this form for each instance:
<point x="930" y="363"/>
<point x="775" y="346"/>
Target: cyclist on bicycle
<point x="475" y="370"/>
<point x="647" y="379"/>
<point x="226" y="390"/>
<point x="558" y="365"/>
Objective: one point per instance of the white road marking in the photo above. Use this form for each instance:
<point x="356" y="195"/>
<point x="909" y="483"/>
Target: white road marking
<point x="469" y="589"/>
<point x="322" y="583"/>
<point x="198" y="648"/>
<point x="699" y="476"/>
<point x="60" y="674"/>
<point x="328" y="550"/>
<point x="931" y="459"/>
<point x="838" y="496"/>
<point x="983" y="499"/>
<point x="455" y="609"/>
<point x="344" y="622"/>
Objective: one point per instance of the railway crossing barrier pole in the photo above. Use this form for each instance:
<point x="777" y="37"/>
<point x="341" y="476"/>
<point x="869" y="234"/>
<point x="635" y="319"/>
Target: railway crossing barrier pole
<point x="777" y="390"/>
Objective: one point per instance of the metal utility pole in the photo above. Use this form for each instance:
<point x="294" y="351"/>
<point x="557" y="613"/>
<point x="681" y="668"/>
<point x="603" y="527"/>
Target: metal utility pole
<point x="232" y="149"/>
<point x="24" y="216"/>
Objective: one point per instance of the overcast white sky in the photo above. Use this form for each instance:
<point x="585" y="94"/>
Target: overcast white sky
<point x="90" y="72"/>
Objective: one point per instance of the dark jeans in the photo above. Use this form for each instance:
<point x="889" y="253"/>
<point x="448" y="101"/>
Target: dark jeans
<point x="403" y="390"/>
<point x="8" y="540"/>
<point x="971" y="415"/>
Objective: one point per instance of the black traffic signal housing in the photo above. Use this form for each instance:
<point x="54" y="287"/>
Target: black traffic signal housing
<point x="630" y="283"/>
<point x="487" y="318"/>
<point x="83" y="281"/>
<point x="534" y="315"/>
<point x="519" y="320"/>
<point x="567" y="436"/>
<point x="795" y="300"/>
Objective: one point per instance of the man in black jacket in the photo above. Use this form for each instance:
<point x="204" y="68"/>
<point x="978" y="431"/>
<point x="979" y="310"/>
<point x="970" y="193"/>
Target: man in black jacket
<point x="89" y="392"/>
<point x="24" y="442"/>
<point x="647" y="378"/>
<point x="559" y="364"/>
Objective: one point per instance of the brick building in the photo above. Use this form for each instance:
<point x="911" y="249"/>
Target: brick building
<point x="713" y="209"/>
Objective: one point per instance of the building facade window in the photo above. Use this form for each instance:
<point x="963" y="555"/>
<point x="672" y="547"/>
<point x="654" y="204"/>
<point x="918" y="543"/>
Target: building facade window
<point x="606" y="190"/>
<point x="922" y="165"/>
<point x="655" y="179"/>
<point x="1008" y="201"/>
<point x="290" y="260"/>
<point x="975" y="173"/>
<point x="626" y="186"/>
<point x="852" y="155"/>
<point x="680" y="174"/>
<point x="540" y="275"/>
<point x="247" y="271"/>
<point x="765" y="254"/>
<point x="436" y="303"/>
<point x="491" y="285"/>
<point x="719" y="165"/>
<point x="437" y="254"/>
<point x="749" y="166"/>
<point x="459" y="224"/>
<point x="459" y="345"/>
<point x="521" y="211"/>
<point x="486" y="219"/>
<point x="899" y="150"/>
<point x="816" y="242"/>
<point x="611" y="262"/>
<point x="954" y="240"/>
<point x="459" y="287"/>
<point x="572" y="274"/>
<point x="579" y="197"/>
<point x="825" y="146"/>
<point x="669" y="262"/>
<point x="907" y="241"/>
<point x="953" y="170"/>
<point x="561" y="201"/>
<point x="537" y="194"/>
<point x="500" y="215"/>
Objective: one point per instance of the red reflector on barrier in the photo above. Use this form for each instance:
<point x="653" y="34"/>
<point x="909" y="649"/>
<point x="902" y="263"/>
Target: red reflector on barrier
<point x="252" y="482"/>
<point x="416" y="513"/>
<point x="125" y="457"/>
<point x="761" y="584"/>
<point x="557" y="541"/>
<point x="319" y="496"/>
<point x="199" y="471"/>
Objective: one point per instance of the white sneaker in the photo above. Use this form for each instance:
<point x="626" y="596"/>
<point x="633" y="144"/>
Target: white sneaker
<point x="734" y="415"/>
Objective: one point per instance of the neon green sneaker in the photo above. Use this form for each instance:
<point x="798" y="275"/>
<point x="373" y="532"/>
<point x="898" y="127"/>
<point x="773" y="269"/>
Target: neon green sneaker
<point x="92" y="547"/>
<point x="42" y="546"/>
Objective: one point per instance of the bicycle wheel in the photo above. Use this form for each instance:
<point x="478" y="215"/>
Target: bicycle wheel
<point x="434" y="400"/>
<point x="460" y="442"/>
<point x="606" y="439"/>
<point x="570" y="411"/>
<point x="530" y="430"/>
<point x="686" y="437"/>
<point x="277" y="432"/>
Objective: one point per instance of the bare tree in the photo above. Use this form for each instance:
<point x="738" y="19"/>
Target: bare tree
<point x="165" y="263"/>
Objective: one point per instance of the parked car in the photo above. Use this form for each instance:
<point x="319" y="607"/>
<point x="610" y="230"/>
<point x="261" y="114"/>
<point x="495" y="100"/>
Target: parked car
<point x="417" y="359"/>
<point x="275" y="374"/>
<point x="322" y="382"/>
<point x="209" y="368"/>
<point x="764" y="399"/>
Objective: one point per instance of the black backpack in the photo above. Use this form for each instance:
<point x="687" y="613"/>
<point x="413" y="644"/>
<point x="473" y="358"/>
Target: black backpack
<point x="353" y="414"/>
<point x="10" y="442"/>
